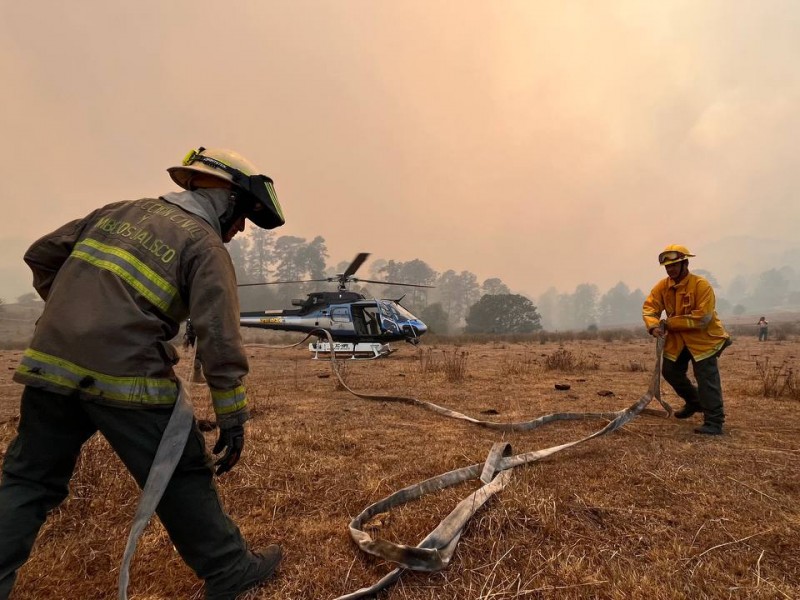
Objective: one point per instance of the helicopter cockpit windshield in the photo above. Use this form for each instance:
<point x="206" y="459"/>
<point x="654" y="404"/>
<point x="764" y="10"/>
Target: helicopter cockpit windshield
<point x="393" y="316"/>
<point x="387" y="318"/>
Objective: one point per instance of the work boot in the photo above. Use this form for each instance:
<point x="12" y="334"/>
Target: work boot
<point x="709" y="429"/>
<point x="686" y="412"/>
<point x="264" y="564"/>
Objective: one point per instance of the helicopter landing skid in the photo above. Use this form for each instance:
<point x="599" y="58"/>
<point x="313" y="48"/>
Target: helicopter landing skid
<point x="360" y="351"/>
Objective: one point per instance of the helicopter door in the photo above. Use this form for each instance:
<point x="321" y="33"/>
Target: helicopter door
<point x="365" y="320"/>
<point x="340" y="319"/>
<point x="372" y="319"/>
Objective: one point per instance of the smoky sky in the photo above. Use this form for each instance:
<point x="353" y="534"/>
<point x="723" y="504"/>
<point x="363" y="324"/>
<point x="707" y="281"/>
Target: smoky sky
<point x="547" y="143"/>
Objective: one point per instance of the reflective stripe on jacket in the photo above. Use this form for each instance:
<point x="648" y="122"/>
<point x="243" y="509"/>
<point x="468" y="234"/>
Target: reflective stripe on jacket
<point x="55" y="371"/>
<point x="692" y="320"/>
<point x="117" y="285"/>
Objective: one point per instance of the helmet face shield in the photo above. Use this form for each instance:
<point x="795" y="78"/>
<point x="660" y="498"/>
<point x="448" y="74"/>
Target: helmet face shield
<point x="265" y="211"/>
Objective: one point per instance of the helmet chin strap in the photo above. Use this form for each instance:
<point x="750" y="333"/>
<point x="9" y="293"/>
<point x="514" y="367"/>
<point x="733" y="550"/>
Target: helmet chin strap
<point x="233" y="211"/>
<point x="683" y="272"/>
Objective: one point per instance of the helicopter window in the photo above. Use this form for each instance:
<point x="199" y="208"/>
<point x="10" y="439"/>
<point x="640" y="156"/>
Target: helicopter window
<point x="340" y="315"/>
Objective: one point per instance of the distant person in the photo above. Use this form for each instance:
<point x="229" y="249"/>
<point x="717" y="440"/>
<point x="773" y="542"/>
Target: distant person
<point x="116" y="285"/>
<point x="693" y="334"/>
<point x="763" y="329"/>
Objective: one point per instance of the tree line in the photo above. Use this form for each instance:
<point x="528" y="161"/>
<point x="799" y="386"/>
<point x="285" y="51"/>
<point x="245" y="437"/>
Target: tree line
<point x="458" y="302"/>
<point x="768" y="290"/>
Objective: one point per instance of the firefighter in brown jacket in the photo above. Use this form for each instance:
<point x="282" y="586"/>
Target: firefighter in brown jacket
<point x="693" y="333"/>
<point x="116" y="285"/>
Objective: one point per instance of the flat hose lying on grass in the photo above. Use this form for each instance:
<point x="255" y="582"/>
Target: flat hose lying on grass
<point x="436" y="550"/>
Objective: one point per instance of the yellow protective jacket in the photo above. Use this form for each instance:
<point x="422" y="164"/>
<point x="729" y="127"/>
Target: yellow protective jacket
<point x="117" y="285"/>
<point x="692" y="320"/>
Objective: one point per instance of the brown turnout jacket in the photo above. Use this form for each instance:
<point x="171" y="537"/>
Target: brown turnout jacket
<point x="117" y="285"/>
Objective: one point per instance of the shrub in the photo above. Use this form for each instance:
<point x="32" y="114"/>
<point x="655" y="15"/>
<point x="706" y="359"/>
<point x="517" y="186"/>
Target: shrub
<point x="777" y="381"/>
<point x="564" y="360"/>
<point x="517" y="365"/>
<point x="561" y="360"/>
<point x="455" y="365"/>
<point x="428" y="361"/>
<point x="635" y="366"/>
<point x="792" y="385"/>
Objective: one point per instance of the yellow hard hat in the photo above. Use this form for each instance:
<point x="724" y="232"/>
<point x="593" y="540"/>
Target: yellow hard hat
<point x="672" y="254"/>
<point x="213" y="168"/>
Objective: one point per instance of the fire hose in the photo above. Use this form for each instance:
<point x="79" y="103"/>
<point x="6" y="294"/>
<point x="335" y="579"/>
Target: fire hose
<point x="169" y="452"/>
<point x="435" y="551"/>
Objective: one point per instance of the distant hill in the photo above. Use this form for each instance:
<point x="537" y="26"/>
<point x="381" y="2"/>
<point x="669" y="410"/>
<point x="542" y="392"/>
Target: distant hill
<point x="744" y="255"/>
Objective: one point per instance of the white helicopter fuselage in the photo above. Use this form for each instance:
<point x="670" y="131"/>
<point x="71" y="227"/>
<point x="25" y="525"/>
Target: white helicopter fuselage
<point x="352" y="319"/>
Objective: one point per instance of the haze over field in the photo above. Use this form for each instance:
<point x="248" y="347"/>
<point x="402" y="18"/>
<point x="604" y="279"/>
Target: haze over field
<point x="546" y="143"/>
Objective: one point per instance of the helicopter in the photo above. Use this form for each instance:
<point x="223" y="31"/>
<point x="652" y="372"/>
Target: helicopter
<point x="360" y="327"/>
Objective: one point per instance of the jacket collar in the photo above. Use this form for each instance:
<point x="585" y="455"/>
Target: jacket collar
<point x="208" y="204"/>
<point x="682" y="283"/>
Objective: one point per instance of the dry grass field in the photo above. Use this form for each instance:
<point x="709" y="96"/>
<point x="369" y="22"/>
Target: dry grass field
<point x="650" y="511"/>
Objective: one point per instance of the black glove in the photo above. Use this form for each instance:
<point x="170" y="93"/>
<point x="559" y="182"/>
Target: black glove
<point x="231" y="439"/>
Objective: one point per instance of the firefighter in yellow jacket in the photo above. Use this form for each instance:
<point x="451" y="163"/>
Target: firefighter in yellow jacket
<point x="116" y="285"/>
<point x="693" y="333"/>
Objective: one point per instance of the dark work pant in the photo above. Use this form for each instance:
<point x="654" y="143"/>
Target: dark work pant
<point x="707" y="396"/>
<point x="40" y="461"/>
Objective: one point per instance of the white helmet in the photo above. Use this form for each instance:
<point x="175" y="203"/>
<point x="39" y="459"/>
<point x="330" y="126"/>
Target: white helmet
<point x="203" y="168"/>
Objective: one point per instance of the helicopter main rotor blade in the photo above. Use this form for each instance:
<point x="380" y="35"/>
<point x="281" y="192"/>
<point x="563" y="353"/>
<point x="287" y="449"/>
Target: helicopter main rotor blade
<point x="355" y="265"/>
<point x="278" y="282"/>
<point x="418" y="285"/>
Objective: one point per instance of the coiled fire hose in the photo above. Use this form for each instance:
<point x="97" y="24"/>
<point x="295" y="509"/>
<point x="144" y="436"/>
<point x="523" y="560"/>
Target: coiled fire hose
<point x="435" y="551"/>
